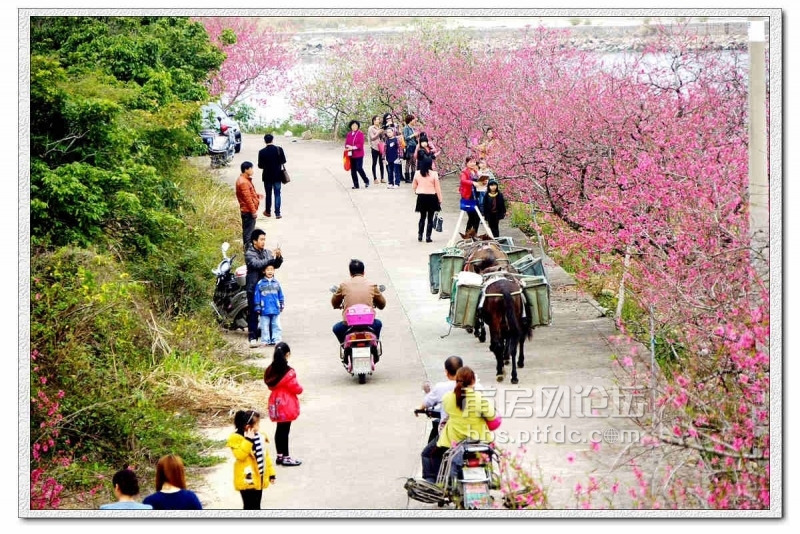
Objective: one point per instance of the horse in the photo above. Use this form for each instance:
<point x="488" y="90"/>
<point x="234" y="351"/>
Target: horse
<point x="485" y="257"/>
<point x="503" y="311"/>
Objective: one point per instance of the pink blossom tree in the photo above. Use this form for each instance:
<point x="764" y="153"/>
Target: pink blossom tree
<point x="258" y="59"/>
<point x="643" y="159"/>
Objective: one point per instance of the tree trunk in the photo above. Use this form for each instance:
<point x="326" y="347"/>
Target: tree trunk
<point x="336" y="125"/>
<point x="621" y="294"/>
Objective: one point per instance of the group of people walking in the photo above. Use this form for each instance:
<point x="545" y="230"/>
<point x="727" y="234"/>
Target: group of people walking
<point x="391" y="146"/>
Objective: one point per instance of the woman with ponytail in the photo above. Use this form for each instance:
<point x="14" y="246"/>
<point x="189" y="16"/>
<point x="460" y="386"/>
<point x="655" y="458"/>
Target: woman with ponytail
<point x="467" y="413"/>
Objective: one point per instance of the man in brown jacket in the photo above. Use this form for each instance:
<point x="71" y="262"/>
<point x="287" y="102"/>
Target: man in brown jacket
<point x="248" y="202"/>
<point x="357" y="290"/>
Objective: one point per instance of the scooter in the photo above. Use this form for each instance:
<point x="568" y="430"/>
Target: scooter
<point x="468" y="472"/>
<point x="221" y="145"/>
<point x="361" y="349"/>
<point x="230" y="295"/>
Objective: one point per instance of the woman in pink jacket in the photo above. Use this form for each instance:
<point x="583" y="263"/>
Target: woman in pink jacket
<point x="429" y="195"/>
<point x="354" y="144"/>
<point x="284" y="407"/>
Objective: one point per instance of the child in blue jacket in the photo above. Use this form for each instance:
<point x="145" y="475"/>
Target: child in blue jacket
<point x="269" y="305"/>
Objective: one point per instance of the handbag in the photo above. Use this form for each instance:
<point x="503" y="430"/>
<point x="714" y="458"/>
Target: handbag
<point x="438" y="222"/>
<point x="346" y="161"/>
<point x="382" y="148"/>
<point x="285" y="178"/>
<point x="467" y="205"/>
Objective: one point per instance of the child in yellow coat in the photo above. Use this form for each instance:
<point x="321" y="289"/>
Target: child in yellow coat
<point x="253" y="470"/>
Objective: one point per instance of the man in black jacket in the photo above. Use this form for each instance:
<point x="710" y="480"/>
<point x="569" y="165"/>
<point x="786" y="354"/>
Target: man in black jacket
<point x="257" y="258"/>
<point x="271" y="160"/>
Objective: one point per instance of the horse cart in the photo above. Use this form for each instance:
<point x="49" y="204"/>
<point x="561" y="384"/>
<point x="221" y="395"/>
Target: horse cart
<point x="491" y="281"/>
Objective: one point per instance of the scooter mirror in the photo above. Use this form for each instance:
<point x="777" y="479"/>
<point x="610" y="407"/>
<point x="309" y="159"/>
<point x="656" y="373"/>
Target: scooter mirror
<point x="334" y="289"/>
<point x="225" y="247"/>
<point x="382" y="288"/>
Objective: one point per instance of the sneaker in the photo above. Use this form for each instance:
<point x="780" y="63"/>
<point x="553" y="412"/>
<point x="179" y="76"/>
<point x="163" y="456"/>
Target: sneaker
<point x="366" y="184"/>
<point x="267" y="214"/>
<point x="383" y="181"/>
<point x="289" y="461"/>
<point x="279" y="460"/>
<point x="375" y="181"/>
<point x="428" y="240"/>
<point x="279" y="216"/>
<point x="253" y="343"/>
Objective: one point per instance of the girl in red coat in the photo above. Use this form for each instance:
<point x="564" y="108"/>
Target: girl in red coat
<point x="284" y="406"/>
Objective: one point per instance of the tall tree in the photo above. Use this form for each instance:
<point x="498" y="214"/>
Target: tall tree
<point x="257" y="63"/>
<point x="647" y="158"/>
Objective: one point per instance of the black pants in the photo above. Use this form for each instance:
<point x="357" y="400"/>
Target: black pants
<point x="251" y="499"/>
<point x="411" y="167"/>
<point x="248" y="225"/>
<point x="252" y="316"/>
<point x="432" y="461"/>
<point x="376" y="160"/>
<point x="282" y="438"/>
<point x="356" y="170"/>
<point x="472" y="220"/>
<point x="434" y="430"/>
<point x="494" y="225"/>
<point x="422" y="216"/>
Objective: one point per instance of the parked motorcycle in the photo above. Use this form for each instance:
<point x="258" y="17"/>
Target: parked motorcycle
<point x="221" y="144"/>
<point x="230" y="295"/>
<point x="468" y="472"/>
<point x="361" y="349"/>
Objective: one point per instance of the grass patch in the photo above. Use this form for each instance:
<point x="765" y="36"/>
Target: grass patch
<point x="122" y="370"/>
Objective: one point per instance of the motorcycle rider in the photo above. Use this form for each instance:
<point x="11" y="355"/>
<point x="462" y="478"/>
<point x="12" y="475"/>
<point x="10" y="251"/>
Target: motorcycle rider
<point x="357" y="290"/>
<point x="257" y="258"/>
<point x="433" y="397"/>
<point x="467" y="413"/>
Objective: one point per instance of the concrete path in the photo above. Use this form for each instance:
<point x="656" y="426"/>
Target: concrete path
<point x="359" y="443"/>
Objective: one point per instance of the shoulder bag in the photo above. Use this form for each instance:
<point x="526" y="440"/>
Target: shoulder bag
<point x="285" y="178"/>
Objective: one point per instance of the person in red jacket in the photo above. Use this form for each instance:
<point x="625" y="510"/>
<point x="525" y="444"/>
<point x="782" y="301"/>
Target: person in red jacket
<point x="354" y="144"/>
<point x="284" y="407"/>
<point x="467" y="189"/>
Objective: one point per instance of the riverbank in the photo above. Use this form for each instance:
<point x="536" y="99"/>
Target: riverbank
<point x="582" y="34"/>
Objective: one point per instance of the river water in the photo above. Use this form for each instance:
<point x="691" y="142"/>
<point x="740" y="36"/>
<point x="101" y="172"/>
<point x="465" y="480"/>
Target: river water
<point x="279" y="109"/>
